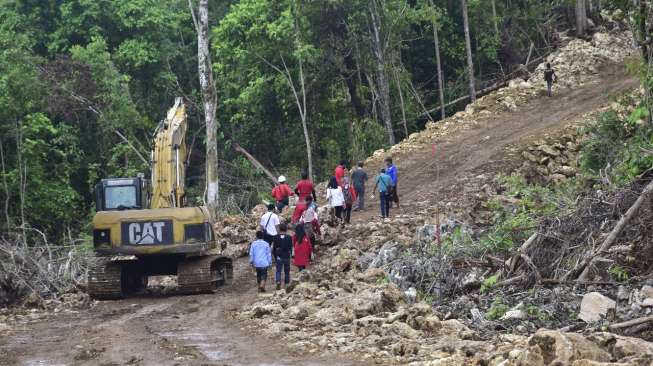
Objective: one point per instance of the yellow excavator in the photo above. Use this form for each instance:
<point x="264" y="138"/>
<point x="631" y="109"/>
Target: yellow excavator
<point x="141" y="227"/>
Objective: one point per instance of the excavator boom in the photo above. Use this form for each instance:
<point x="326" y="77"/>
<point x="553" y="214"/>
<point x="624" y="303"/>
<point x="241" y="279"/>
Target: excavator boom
<point x="169" y="159"/>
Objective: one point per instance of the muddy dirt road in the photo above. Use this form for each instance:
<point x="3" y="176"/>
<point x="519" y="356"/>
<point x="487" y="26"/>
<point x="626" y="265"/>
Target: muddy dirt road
<point x="197" y="330"/>
<point x="155" y="330"/>
<point x="491" y="145"/>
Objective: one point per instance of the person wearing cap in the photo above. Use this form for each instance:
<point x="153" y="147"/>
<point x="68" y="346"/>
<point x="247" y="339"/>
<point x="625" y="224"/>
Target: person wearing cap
<point x="281" y="193"/>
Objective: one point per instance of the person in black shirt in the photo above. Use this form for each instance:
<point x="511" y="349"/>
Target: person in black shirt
<point x="550" y="77"/>
<point x="282" y="251"/>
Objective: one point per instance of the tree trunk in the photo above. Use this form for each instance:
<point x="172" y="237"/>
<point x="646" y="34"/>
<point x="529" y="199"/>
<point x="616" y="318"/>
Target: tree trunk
<point x="209" y="99"/>
<point x="401" y="101"/>
<point x="468" y="46"/>
<point x="581" y="18"/>
<point x="495" y="20"/>
<point x="438" y="65"/>
<point x="382" y="79"/>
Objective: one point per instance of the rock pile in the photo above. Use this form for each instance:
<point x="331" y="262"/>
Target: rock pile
<point x="554" y="158"/>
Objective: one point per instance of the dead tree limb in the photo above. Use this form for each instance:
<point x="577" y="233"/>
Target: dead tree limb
<point x="584" y="266"/>
<point x="254" y="162"/>
<point x="522" y="250"/>
<point x="631" y="323"/>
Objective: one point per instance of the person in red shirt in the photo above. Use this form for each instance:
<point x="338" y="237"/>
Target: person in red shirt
<point x="281" y="193"/>
<point x="340" y="172"/>
<point x="305" y="188"/>
<point x="302" y="248"/>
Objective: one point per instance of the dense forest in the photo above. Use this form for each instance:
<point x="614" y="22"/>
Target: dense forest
<point x="300" y="85"/>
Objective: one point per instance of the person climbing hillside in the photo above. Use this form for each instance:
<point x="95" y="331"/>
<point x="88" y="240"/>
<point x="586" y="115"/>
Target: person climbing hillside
<point x="358" y="178"/>
<point x="383" y="183"/>
<point x="550" y="78"/>
<point x="350" y="197"/>
<point x="340" y="172"/>
<point x="305" y="188"/>
<point x="260" y="257"/>
<point x="269" y="224"/>
<point x="281" y="193"/>
<point x="310" y="220"/>
<point x="282" y="250"/>
<point x="391" y="170"/>
<point x="335" y="197"/>
<point x="302" y="248"/>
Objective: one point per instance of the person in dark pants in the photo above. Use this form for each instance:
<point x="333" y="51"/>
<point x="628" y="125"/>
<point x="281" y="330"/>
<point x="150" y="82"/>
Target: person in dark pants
<point x="383" y="183"/>
<point x="391" y="170"/>
<point x="550" y="78"/>
<point x="260" y="257"/>
<point x="358" y="178"/>
<point x="282" y="250"/>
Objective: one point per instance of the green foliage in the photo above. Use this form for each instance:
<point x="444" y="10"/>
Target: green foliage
<point x="618" y="273"/>
<point x="488" y="283"/>
<point x="497" y="309"/>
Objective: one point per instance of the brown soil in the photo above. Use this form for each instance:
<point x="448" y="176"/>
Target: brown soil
<point x="491" y="146"/>
<point x="197" y="330"/>
<point x="155" y="330"/>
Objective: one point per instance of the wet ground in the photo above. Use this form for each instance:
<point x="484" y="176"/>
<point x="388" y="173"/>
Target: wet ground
<point x="155" y="329"/>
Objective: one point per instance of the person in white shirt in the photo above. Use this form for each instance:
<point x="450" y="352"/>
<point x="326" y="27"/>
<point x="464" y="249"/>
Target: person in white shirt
<point x="309" y="219"/>
<point x="270" y="224"/>
<point x="335" y="198"/>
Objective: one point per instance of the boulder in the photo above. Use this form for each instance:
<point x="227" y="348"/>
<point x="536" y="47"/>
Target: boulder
<point x="595" y="307"/>
<point x="560" y="348"/>
<point x="549" y="150"/>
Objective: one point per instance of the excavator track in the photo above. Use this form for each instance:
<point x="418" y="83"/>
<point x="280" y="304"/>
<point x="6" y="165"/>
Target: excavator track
<point x="204" y="274"/>
<point x="105" y="280"/>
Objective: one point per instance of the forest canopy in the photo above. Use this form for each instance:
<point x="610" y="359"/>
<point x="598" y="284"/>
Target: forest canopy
<point x="83" y="83"/>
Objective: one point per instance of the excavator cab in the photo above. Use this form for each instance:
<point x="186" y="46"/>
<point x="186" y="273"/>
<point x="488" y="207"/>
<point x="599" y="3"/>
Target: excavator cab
<point x="120" y="194"/>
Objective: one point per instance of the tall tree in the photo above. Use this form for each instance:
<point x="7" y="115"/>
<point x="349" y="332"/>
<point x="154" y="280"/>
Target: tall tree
<point x="209" y="98"/>
<point x="468" y="47"/>
<point x="438" y="65"/>
<point x="380" y="43"/>
<point x="581" y="17"/>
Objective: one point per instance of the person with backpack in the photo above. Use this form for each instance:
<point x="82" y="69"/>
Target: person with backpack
<point x="383" y="183"/>
<point x="281" y="193"/>
<point x="335" y="197"/>
<point x="310" y="220"/>
<point x="302" y="248"/>
<point x="358" y="178"/>
<point x="550" y="78"/>
<point x="391" y="170"/>
<point x="350" y="197"/>
<point x="282" y="250"/>
<point x="269" y="224"/>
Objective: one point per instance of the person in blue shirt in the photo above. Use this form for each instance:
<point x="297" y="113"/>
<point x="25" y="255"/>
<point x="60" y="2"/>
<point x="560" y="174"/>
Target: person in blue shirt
<point x="383" y="183"/>
<point x="260" y="257"/>
<point x="391" y="170"/>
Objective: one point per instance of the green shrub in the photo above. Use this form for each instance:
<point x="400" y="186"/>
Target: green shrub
<point x="497" y="310"/>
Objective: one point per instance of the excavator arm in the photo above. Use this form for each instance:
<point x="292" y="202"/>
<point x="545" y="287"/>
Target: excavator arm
<point x="168" y="159"/>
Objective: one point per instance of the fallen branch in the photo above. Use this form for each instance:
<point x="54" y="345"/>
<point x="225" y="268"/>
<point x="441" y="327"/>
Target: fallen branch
<point x="631" y="323"/>
<point x="585" y="264"/>
<point x="255" y="162"/>
<point x="522" y="250"/>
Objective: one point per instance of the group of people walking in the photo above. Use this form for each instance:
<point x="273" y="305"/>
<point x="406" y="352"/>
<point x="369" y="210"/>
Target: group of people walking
<point x="345" y="193"/>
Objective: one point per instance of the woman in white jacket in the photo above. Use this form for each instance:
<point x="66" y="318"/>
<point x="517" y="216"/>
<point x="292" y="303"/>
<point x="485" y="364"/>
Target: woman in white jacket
<point x="335" y="197"/>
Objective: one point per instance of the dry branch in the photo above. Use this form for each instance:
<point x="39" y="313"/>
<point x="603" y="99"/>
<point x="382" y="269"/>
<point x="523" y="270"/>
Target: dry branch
<point x="631" y="323"/>
<point x="586" y="263"/>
